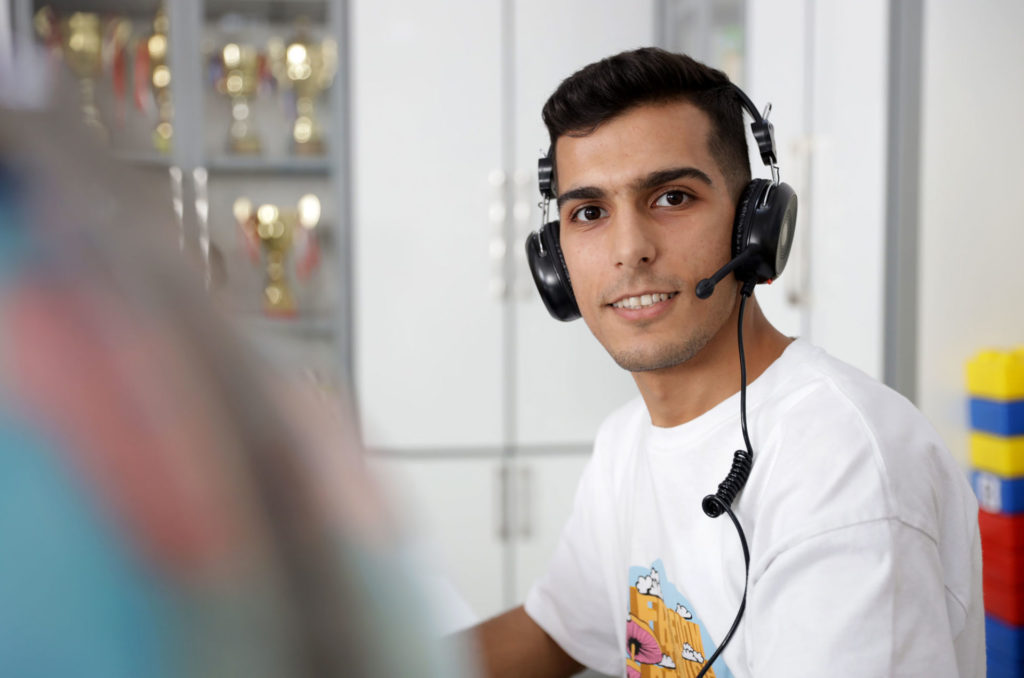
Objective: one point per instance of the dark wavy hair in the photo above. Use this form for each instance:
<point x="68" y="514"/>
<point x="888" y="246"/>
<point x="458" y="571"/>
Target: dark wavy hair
<point x="611" y="86"/>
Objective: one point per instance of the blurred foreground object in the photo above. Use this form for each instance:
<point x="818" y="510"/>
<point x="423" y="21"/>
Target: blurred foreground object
<point x="995" y="386"/>
<point x="163" y="512"/>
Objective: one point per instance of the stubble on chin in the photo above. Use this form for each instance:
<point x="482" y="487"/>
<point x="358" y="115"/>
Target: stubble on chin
<point x="648" y="359"/>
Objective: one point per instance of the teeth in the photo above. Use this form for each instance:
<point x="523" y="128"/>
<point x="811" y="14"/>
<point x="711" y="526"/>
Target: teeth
<point x="642" y="301"/>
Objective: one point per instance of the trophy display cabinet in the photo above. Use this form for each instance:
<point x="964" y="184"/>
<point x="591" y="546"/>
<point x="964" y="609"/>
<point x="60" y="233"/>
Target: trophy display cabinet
<point x="239" y="103"/>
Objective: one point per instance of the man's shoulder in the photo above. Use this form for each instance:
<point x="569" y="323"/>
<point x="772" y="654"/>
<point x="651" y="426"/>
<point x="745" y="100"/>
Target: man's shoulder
<point x="844" y="445"/>
<point x="820" y="389"/>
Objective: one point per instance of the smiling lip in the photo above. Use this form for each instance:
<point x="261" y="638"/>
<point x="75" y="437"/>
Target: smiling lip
<point x="644" y="300"/>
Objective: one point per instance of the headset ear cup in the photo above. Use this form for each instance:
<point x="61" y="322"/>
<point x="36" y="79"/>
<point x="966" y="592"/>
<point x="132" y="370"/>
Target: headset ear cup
<point x="772" y="222"/>
<point x="774" y="226"/>
<point x="745" y="208"/>
<point x="547" y="265"/>
<point x="766" y="219"/>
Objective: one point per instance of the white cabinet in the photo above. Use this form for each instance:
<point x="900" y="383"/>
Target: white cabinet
<point x="470" y="395"/>
<point x="825" y="67"/>
<point x="446" y="135"/>
<point x="486" y="523"/>
<point x="426" y="138"/>
<point x="453" y="508"/>
<point x="546" y="487"/>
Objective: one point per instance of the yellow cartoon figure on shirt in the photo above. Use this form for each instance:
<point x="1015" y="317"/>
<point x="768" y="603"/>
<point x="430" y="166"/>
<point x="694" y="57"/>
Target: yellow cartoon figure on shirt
<point x="663" y="638"/>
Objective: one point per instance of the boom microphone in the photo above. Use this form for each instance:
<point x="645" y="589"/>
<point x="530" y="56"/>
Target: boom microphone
<point x="706" y="286"/>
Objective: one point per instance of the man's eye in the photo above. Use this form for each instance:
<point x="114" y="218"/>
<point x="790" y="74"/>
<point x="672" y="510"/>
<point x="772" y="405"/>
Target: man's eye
<point x="588" y="213"/>
<point x="672" y="199"/>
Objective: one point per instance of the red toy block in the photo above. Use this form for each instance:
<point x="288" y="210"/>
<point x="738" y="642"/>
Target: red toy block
<point x="1005" y="601"/>
<point x="1001" y="530"/>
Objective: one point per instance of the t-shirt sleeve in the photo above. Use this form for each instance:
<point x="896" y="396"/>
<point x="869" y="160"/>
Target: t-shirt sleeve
<point x="863" y="600"/>
<point x="574" y="601"/>
<point x="851" y="578"/>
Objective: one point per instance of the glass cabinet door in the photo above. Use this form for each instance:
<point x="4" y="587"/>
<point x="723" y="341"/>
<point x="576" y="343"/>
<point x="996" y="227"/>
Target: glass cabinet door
<point x="235" y="102"/>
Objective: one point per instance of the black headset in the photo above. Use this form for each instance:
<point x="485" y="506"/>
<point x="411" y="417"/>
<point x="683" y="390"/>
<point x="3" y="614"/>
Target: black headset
<point x="762" y="231"/>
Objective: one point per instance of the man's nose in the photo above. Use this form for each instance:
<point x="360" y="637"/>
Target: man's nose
<point x="634" y="242"/>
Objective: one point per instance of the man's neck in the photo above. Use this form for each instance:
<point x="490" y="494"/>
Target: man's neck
<point x="679" y="394"/>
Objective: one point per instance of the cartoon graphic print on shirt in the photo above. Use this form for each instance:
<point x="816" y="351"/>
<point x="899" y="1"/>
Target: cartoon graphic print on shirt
<point x="663" y="636"/>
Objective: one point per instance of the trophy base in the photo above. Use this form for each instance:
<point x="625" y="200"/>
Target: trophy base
<point x="278" y="301"/>
<point x="163" y="137"/>
<point x="245" y="146"/>
<point x="283" y="314"/>
<point x="309" y="148"/>
<point x="243" y="138"/>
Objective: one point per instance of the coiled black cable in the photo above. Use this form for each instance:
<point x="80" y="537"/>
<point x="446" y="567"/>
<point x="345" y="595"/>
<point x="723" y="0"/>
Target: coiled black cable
<point x="742" y="462"/>
<point x="715" y="504"/>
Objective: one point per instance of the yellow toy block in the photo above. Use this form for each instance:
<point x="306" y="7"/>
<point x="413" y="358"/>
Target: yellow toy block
<point x="998" y="454"/>
<point x="997" y="374"/>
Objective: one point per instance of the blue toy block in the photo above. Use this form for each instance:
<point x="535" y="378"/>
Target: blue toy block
<point x="1004" y="644"/>
<point x="998" y="494"/>
<point x="1000" y="669"/>
<point x="1001" y="417"/>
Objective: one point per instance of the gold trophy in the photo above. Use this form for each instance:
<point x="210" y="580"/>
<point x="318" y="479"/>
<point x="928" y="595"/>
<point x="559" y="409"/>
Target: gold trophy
<point x="276" y="233"/>
<point x="306" y="67"/>
<point x="80" y="40"/>
<point x="154" y="53"/>
<point x="240" y="82"/>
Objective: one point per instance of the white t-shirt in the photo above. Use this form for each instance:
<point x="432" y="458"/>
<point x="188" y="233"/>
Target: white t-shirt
<point x="865" y="558"/>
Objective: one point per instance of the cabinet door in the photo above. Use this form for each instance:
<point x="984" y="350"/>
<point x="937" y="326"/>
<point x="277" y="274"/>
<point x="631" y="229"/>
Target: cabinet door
<point x="840" y="54"/>
<point x="454" y="507"/>
<point x="545" y="486"/>
<point x="426" y="138"/>
<point x="566" y="381"/>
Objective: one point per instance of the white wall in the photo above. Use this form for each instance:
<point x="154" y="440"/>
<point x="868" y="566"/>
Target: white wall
<point x="972" y="198"/>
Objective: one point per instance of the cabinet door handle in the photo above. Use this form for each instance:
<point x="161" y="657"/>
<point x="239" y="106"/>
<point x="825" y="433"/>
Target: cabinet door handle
<point x="525" y="508"/>
<point x="497" y="216"/>
<point x="796" y="283"/>
<point x="522" y="213"/>
<point x="178" y="203"/>
<point x="501" y="509"/>
<point x="202" y="205"/>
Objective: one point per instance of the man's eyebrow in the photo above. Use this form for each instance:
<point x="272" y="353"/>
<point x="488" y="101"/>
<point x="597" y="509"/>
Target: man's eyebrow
<point x="652" y="180"/>
<point x="582" y="193"/>
<point x="664" y="176"/>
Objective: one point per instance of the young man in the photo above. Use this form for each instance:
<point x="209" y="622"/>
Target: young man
<point x="862" y="532"/>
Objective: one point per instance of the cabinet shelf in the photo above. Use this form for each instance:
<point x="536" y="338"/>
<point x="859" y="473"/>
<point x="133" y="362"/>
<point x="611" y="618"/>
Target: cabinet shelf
<point x="311" y="326"/>
<point x="273" y="10"/>
<point x="254" y="165"/>
<point x="143" y="158"/>
<point x="137" y="8"/>
<point x="309" y="166"/>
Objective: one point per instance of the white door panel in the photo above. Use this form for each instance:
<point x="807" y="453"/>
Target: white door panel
<point x="451" y="510"/>
<point x="426" y="138"/>
<point x="546" y="488"/>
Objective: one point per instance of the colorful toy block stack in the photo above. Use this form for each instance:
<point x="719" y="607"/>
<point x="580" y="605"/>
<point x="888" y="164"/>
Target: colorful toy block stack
<point x="995" y="383"/>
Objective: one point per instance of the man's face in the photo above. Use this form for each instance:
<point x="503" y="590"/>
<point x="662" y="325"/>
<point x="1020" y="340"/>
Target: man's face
<point x="645" y="214"/>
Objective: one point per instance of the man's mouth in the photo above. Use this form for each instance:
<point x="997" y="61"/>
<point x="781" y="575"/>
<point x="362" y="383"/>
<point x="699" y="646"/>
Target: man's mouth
<point x="643" y="300"/>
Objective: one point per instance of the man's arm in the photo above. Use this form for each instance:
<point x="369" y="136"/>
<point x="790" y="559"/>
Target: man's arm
<point x="513" y="645"/>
